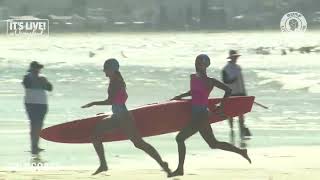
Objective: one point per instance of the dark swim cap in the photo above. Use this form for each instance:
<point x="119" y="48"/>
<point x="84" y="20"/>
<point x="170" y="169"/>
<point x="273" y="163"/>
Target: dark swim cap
<point x="35" y="65"/>
<point x="111" y="64"/>
<point x="203" y="58"/>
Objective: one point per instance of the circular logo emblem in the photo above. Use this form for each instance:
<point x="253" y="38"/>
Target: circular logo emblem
<point x="293" y="22"/>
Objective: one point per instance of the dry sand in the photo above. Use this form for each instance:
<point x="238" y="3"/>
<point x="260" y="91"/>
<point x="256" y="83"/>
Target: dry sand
<point x="277" y="163"/>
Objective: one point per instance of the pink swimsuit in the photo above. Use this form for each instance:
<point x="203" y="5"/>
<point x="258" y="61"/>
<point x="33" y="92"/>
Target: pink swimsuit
<point x="121" y="97"/>
<point x="199" y="91"/>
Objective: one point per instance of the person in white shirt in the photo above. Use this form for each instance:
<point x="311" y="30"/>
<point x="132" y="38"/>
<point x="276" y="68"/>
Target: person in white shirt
<point x="232" y="77"/>
<point x="36" y="102"/>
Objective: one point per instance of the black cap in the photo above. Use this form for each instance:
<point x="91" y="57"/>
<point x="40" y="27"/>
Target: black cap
<point x="35" y="65"/>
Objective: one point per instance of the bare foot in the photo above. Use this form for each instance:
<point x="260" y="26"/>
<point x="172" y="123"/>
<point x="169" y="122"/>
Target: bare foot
<point x="177" y="172"/>
<point x="166" y="168"/>
<point x="101" y="169"/>
<point x="245" y="155"/>
<point x="36" y="151"/>
<point x="40" y="149"/>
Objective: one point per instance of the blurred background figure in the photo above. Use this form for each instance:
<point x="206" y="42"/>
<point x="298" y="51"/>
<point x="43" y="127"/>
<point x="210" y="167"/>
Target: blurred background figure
<point x="36" y="103"/>
<point x="232" y="77"/>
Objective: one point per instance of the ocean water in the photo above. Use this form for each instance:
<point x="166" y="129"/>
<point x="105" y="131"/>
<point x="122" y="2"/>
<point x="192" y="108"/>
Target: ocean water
<point x="156" y="67"/>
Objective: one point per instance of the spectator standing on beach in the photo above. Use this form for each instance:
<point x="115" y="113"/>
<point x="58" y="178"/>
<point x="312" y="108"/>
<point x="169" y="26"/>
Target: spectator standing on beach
<point x="36" y="103"/>
<point x="233" y="78"/>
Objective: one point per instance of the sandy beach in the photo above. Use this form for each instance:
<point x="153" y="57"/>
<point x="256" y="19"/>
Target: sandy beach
<point x="285" y="143"/>
<point x="276" y="163"/>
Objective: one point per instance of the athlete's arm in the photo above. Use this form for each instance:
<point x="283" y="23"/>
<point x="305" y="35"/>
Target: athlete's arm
<point x="222" y="86"/>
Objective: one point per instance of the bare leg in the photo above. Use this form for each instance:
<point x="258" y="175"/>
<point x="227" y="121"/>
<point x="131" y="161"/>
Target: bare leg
<point x="130" y="129"/>
<point x="100" y="152"/>
<point x="103" y="126"/>
<point x="230" y="120"/>
<point x="207" y="134"/>
<point x="152" y="152"/>
<point x="241" y="126"/>
<point x="231" y="135"/>
<point x="184" y="134"/>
